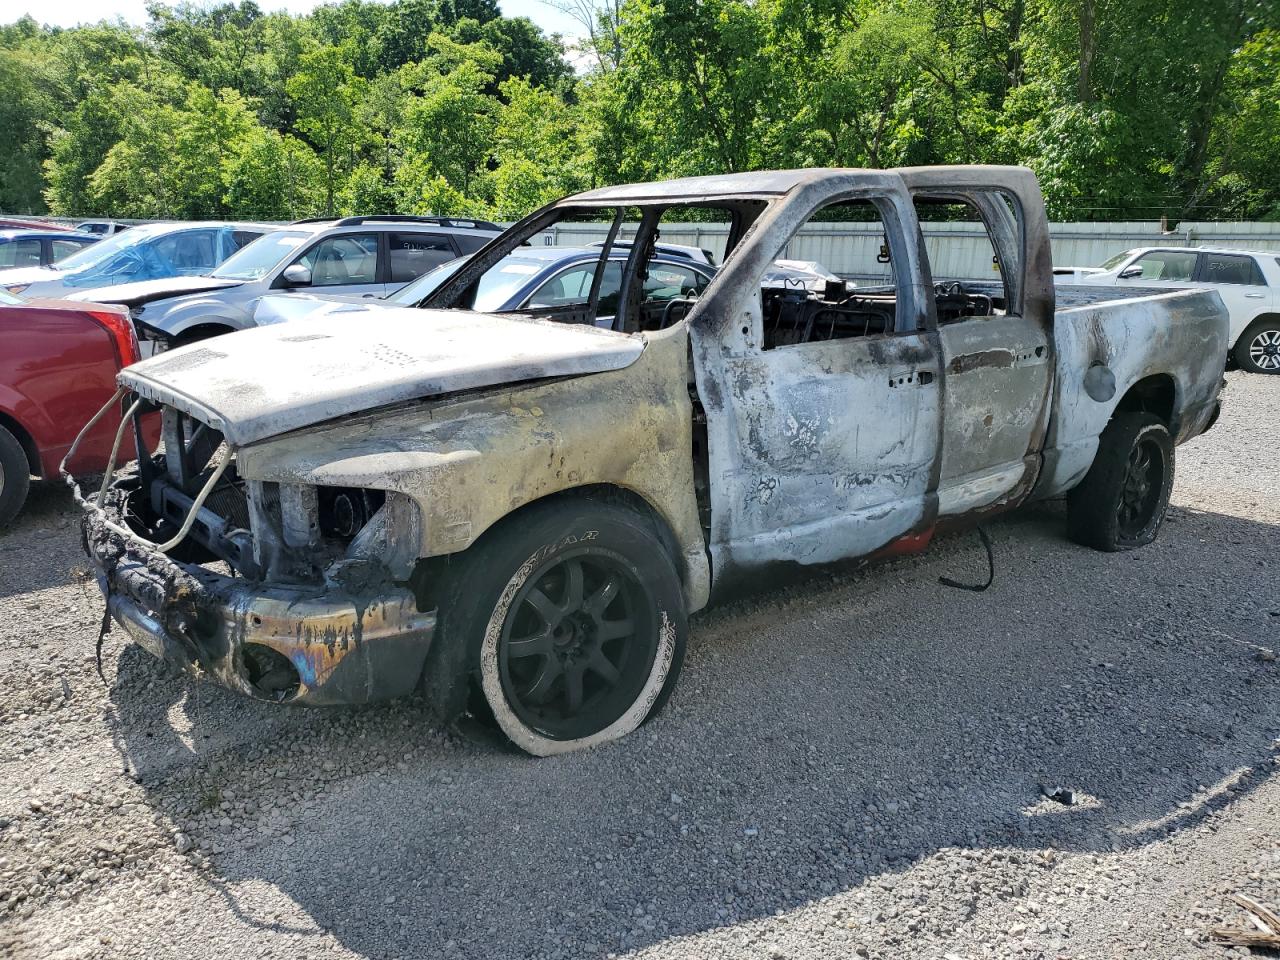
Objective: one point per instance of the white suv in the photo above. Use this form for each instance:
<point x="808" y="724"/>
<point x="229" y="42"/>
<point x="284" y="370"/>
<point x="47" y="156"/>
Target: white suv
<point x="1247" y="281"/>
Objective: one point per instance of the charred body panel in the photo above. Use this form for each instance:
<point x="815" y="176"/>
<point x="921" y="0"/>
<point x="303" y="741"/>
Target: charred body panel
<point x="1161" y="352"/>
<point x="469" y="462"/>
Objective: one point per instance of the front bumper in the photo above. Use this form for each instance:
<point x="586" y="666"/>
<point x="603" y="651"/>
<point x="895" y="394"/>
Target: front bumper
<point x="282" y="644"/>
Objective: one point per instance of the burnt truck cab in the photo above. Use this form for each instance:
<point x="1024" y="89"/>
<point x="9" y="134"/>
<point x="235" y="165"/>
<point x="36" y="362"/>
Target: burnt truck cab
<point x="517" y="513"/>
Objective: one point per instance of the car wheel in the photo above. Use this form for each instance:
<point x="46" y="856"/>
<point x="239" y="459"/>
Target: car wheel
<point x="1258" y="349"/>
<point x="574" y="621"/>
<point x="1122" y="500"/>
<point x="15" y="476"/>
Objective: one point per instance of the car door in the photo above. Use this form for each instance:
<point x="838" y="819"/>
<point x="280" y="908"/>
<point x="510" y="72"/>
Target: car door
<point x="343" y="264"/>
<point x="20" y="252"/>
<point x="411" y="254"/>
<point x="996" y="362"/>
<point x="818" y="447"/>
<point x="1239" y="281"/>
<point x="59" y="248"/>
<point x="566" y="294"/>
<point x="1161" y="268"/>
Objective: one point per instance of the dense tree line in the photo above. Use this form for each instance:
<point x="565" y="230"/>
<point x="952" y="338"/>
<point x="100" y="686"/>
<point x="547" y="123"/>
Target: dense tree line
<point x="1126" y="108"/>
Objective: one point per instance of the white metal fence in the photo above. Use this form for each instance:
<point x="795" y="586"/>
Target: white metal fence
<point x="955" y="249"/>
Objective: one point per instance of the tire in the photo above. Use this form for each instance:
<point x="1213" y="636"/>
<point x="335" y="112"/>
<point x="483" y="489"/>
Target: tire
<point x="15" y="476"/>
<point x="542" y="607"/>
<point x="1122" y="500"/>
<point x="1258" y="349"/>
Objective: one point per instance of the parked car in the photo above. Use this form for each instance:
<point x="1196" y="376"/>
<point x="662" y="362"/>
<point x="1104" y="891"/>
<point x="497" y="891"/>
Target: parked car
<point x="530" y="278"/>
<point x="31" y="223"/>
<point x="363" y="256"/>
<point x="101" y="228"/>
<point x="1248" y="282"/>
<point x="521" y="511"/>
<point x="140" y="253"/>
<point x="57" y="368"/>
<point x="699" y="255"/>
<point x="40" y="248"/>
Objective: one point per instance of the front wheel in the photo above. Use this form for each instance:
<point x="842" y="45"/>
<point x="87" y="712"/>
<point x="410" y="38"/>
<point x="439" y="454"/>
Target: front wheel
<point x="575" y="619"/>
<point x="1258" y="350"/>
<point x="15" y="476"/>
<point x="1122" y="500"/>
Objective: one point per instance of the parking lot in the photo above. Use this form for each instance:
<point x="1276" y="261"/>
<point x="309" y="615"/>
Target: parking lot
<point x="851" y="766"/>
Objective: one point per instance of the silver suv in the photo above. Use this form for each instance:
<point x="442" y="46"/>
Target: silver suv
<point x="365" y="256"/>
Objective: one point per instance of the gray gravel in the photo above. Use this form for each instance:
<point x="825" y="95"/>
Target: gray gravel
<point x="850" y="767"/>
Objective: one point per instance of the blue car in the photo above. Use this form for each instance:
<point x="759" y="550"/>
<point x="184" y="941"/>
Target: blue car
<point x="40" y="248"/>
<point x="147" y="252"/>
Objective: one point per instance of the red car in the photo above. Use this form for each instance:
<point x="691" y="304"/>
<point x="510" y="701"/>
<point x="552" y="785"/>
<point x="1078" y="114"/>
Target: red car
<point x="58" y="366"/>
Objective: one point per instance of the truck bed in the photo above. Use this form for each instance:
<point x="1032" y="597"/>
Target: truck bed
<point x="1108" y="340"/>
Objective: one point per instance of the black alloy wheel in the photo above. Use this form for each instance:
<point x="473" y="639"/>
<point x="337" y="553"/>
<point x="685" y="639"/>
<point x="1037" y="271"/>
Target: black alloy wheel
<point x="577" y="644"/>
<point x="1141" y="489"/>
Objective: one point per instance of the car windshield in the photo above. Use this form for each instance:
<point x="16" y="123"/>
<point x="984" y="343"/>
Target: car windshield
<point x="496" y="287"/>
<point x="1118" y="259"/>
<point x="102" y="251"/>
<point x="258" y="258"/>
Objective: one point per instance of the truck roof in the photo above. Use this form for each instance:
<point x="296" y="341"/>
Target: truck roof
<point x="773" y="182"/>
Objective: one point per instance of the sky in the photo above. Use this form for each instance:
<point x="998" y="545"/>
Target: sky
<point x="68" y="13"/>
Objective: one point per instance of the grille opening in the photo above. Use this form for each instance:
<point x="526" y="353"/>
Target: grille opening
<point x="272" y="675"/>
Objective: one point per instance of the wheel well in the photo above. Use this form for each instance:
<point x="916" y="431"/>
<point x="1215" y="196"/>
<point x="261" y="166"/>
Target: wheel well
<point x="447" y="680"/>
<point x="429" y="571"/>
<point x="1154" y="395"/>
<point x="1254" y="324"/>
<point x="201" y="331"/>
<point x="24" y="440"/>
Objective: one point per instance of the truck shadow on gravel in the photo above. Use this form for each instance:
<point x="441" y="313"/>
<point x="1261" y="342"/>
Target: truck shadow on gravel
<point x="831" y="732"/>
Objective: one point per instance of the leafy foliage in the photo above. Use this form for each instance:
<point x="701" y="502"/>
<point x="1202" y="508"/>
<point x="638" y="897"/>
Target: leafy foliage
<point x="1125" y="108"/>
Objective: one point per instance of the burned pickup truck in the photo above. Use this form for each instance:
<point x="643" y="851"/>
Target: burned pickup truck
<point x="516" y="513"/>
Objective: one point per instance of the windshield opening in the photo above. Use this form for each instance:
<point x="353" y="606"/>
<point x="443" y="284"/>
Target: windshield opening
<point x="256" y="259"/>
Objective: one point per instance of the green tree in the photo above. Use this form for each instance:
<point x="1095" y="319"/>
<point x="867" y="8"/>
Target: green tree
<point x="325" y="91"/>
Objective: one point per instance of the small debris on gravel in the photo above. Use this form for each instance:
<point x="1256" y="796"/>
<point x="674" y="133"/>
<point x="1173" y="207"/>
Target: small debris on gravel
<point x="1059" y="795"/>
<point x="850" y="767"/>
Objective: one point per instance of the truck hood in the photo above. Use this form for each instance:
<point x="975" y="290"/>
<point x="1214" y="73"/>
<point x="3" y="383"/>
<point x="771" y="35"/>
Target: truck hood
<point x="266" y="381"/>
<point x="144" y="291"/>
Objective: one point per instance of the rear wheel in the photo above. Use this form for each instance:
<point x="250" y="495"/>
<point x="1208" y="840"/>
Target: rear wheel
<point x="574" y="618"/>
<point x="15" y="476"/>
<point x="1258" y="349"/>
<point x="1122" y="501"/>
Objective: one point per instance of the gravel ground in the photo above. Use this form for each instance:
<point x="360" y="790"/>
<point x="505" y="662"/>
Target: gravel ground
<point x="850" y="767"/>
